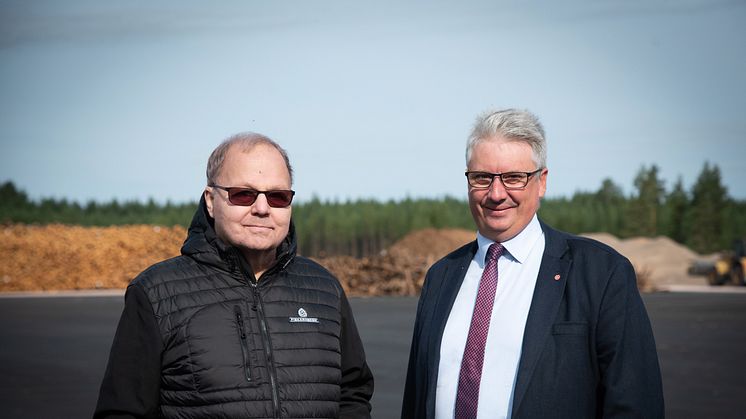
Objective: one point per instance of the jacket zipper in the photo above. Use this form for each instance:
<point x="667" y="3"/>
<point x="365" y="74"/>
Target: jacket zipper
<point x="267" y="350"/>
<point x="242" y="341"/>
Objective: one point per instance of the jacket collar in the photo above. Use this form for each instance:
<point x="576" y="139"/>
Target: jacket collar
<point x="203" y="245"/>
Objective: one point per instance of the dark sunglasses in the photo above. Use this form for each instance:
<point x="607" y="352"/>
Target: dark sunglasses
<point x="246" y="196"/>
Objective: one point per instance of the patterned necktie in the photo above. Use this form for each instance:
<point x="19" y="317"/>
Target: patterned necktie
<point x="467" y="396"/>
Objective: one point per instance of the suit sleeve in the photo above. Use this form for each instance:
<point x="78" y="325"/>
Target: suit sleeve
<point x="131" y="383"/>
<point x="357" y="379"/>
<point x="627" y="357"/>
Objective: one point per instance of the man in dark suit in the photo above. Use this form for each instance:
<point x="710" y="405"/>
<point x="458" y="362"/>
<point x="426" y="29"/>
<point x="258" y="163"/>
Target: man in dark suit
<point x="528" y="321"/>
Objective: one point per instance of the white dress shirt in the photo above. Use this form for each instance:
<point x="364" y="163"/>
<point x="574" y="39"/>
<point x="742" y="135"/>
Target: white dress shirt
<point x="517" y="268"/>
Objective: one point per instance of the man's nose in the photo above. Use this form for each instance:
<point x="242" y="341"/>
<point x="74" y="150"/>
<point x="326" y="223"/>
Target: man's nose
<point x="497" y="190"/>
<point x="260" y="206"/>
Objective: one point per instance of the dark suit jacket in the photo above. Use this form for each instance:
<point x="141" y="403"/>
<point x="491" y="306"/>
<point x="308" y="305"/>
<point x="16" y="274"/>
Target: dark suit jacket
<point x="588" y="349"/>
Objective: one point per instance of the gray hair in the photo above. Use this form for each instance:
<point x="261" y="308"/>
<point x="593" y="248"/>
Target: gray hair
<point x="247" y="141"/>
<point x="511" y="125"/>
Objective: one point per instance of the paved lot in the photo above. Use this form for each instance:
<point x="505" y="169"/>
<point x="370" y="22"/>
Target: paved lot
<point x="53" y="352"/>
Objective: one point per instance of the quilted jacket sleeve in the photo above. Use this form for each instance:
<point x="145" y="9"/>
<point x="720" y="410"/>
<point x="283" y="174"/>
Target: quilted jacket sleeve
<point x="357" y="379"/>
<point x="131" y="383"/>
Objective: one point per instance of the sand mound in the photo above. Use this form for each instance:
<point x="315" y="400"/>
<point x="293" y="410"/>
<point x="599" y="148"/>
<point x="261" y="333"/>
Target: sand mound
<point x="665" y="261"/>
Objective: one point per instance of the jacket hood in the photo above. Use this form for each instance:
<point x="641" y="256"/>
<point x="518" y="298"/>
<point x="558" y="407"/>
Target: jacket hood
<point x="203" y="245"/>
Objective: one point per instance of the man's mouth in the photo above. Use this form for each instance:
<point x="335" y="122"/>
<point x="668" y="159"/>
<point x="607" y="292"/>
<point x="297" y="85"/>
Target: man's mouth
<point x="258" y="227"/>
<point x="496" y="210"/>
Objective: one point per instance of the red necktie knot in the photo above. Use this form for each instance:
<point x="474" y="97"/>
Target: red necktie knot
<point x="494" y="252"/>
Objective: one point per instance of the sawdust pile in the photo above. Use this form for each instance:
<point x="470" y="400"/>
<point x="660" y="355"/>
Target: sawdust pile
<point x="401" y="269"/>
<point x="60" y="257"/>
<point x="57" y="257"/>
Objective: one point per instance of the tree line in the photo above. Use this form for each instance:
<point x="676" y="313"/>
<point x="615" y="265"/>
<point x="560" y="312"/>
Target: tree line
<point x="703" y="217"/>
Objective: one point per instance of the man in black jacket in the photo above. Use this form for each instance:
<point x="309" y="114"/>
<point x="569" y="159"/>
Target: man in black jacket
<point x="238" y="325"/>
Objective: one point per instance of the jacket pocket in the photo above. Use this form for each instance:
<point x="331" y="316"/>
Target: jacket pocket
<point x="243" y="341"/>
<point x="221" y="348"/>
<point x="570" y="328"/>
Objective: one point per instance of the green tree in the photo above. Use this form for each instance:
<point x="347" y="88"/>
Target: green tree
<point x="704" y="219"/>
<point x="14" y="204"/>
<point x="675" y="208"/>
<point x="645" y="205"/>
<point x="610" y="204"/>
<point x="365" y="227"/>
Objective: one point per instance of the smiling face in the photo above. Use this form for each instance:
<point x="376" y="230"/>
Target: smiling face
<point x="501" y="214"/>
<point x="257" y="230"/>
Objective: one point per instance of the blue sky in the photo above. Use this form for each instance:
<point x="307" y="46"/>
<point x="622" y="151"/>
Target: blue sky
<point x="105" y="99"/>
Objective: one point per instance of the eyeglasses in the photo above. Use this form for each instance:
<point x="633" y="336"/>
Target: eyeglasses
<point x="510" y="180"/>
<point x="245" y="197"/>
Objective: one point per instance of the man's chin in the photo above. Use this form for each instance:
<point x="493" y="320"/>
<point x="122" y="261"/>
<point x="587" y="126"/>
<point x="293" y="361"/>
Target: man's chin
<point x="494" y="227"/>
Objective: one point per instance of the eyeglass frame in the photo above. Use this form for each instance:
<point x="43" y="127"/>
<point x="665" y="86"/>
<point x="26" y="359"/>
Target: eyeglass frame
<point x="258" y="192"/>
<point x="529" y="175"/>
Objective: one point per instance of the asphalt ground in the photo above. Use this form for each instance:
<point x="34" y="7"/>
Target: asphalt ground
<point x="53" y="352"/>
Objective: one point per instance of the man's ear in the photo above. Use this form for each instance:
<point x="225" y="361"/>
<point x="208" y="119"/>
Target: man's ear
<point x="209" y="200"/>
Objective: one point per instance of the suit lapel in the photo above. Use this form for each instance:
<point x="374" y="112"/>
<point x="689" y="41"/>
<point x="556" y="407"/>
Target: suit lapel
<point x="550" y="286"/>
<point x="452" y="278"/>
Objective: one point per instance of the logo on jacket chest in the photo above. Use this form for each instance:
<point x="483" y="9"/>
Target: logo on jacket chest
<point x="303" y="317"/>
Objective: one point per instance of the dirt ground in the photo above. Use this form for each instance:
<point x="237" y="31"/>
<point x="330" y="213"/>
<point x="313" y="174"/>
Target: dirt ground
<point x="57" y="257"/>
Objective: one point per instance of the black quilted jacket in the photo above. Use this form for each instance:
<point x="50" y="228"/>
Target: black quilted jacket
<point x="201" y="338"/>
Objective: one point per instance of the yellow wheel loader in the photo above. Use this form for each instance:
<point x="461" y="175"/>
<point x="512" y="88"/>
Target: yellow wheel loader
<point x="727" y="269"/>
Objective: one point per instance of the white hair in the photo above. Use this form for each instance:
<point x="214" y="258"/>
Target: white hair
<point x="510" y="125"/>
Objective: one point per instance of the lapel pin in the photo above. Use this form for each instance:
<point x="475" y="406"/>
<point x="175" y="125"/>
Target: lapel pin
<point x="557" y="277"/>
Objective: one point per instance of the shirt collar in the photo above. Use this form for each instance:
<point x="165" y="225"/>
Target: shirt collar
<point x="517" y="248"/>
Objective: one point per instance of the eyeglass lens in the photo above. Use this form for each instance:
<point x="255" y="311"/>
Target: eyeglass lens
<point x="508" y="179"/>
<point x="246" y="197"/>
